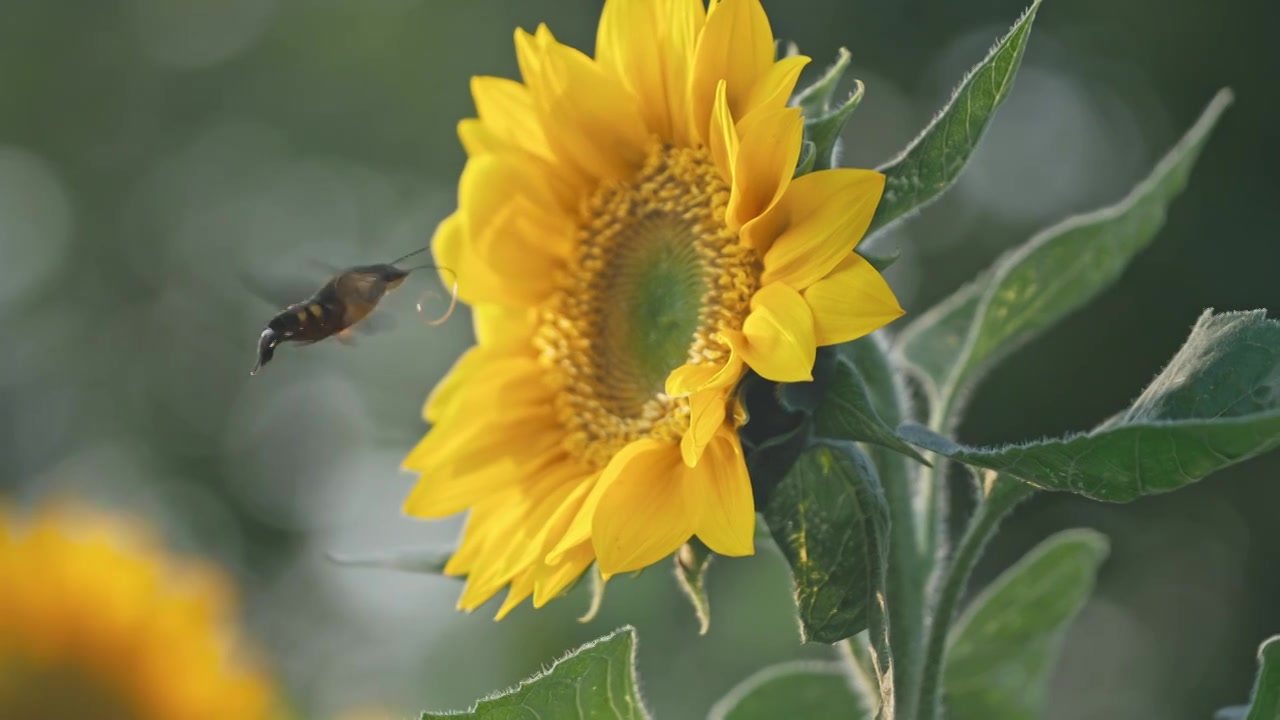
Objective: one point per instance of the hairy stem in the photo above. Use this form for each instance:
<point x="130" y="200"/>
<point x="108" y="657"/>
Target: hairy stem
<point x="1001" y="497"/>
<point x="910" y="553"/>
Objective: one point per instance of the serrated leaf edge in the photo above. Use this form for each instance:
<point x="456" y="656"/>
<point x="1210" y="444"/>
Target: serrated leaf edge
<point x="954" y="385"/>
<point x="628" y="630"/>
<point x="1027" y="17"/>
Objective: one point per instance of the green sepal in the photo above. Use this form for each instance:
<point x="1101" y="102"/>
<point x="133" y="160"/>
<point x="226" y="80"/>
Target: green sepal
<point x="597" y="680"/>
<point x="815" y="100"/>
<point x="808" y="154"/>
<point x="824" y="130"/>
<point x="880" y="261"/>
<point x="692" y="561"/>
<point x="597" y="594"/>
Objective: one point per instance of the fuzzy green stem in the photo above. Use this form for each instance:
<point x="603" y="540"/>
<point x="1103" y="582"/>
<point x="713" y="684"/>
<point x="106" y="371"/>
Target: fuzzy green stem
<point x="981" y="528"/>
<point x="910" y="554"/>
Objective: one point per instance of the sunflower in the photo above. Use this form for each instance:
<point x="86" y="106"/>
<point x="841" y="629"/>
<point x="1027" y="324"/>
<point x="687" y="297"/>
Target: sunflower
<point x="96" y="623"/>
<point x="631" y="240"/>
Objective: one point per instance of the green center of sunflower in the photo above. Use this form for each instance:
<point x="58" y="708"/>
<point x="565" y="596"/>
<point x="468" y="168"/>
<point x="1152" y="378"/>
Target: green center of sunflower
<point x="57" y="692"/>
<point x="654" y="275"/>
<point x="656" y="285"/>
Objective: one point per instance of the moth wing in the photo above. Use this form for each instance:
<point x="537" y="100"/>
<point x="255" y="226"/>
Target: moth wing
<point x="277" y="291"/>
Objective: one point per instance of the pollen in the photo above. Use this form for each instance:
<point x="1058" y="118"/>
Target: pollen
<point x="654" y="276"/>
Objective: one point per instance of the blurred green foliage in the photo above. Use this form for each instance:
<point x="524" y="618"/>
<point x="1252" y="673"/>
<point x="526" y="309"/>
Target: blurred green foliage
<point x="154" y="153"/>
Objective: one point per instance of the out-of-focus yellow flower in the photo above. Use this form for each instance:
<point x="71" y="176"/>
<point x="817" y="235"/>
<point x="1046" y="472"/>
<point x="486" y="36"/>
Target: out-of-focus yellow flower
<point x="631" y="240"/>
<point x="96" y="622"/>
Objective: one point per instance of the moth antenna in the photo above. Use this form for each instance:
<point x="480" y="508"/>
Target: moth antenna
<point x="406" y="257"/>
<point x="429" y="265"/>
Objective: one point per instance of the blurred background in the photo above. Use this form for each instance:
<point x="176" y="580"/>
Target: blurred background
<point x="154" y="153"/>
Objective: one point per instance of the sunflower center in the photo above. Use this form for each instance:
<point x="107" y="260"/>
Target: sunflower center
<point x="654" y="275"/>
<point x="56" y="692"/>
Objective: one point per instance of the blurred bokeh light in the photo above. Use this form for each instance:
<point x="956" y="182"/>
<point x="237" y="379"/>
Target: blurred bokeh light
<point x="159" y="158"/>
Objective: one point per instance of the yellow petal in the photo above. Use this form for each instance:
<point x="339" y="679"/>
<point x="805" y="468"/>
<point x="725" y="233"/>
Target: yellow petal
<point x="724" y="137"/>
<point x="447" y="393"/>
<point x="490" y="183"/>
<point x="643" y="515"/>
<point x="482" y="523"/>
<point x="578" y="528"/>
<point x="478" y="463"/>
<point x="486" y="381"/>
<point x="478" y="139"/>
<point x="495" y="194"/>
<point x="691" y="378"/>
<point x="441" y="497"/>
<point x="735" y="46"/>
<point x="815" y="225"/>
<point x="503" y="328"/>
<point x="506" y="109"/>
<point x="456" y="448"/>
<point x="456" y="257"/>
<point x="728" y="519"/>
<point x="706" y="416"/>
<point x="854" y="300"/>
<point x="648" y="45"/>
<point x="628" y="47"/>
<point x="684" y="22"/>
<point x="590" y="119"/>
<point x="533" y="505"/>
<point x="525" y="247"/>
<point x="768" y="150"/>
<point x="521" y="588"/>
<point x="777" y="337"/>
<point x="774" y="89"/>
<point x="550" y="580"/>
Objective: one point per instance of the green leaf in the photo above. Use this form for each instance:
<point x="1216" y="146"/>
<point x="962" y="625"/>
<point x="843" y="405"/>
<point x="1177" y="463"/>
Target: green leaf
<point x="796" y="689"/>
<point x="1002" y="650"/>
<point x="691" y="573"/>
<point x="598" y="680"/>
<point x="933" y="161"/>
<point x="1053" y="274"/>
<point x="430" y="560"/>
<point x="1265" y="703"/>
<point x="847" y="413"/>
<point x="829" y="517"/>
<point x="1217" y="403"/>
